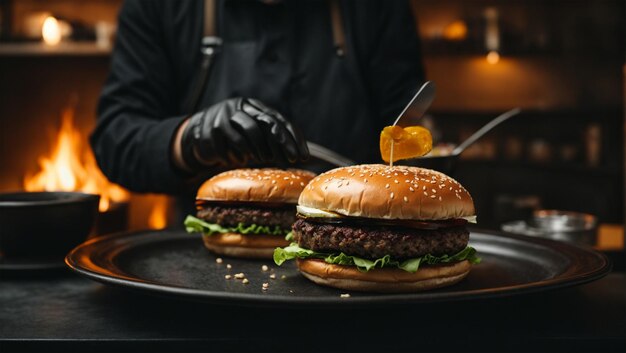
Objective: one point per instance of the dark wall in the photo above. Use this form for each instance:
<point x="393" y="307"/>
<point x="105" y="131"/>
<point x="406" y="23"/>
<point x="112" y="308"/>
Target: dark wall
<point x="565" y="85"/>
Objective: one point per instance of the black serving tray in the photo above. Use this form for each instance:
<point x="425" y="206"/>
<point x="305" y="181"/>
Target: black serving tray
<point x="174" y="263"/>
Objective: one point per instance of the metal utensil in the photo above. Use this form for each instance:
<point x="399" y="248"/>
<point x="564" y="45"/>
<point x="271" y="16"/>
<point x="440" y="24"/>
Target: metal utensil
<point x="485" y="129"/>
<point x="326" y="155"/>
<point x="447" y="163"/>
<point x="417" y="106"/>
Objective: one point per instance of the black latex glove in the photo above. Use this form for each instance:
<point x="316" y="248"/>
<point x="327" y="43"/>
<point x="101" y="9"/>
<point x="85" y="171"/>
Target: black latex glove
<point x="238" y="130"/>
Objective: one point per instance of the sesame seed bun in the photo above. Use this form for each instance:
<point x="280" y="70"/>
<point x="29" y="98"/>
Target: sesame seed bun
<point x="383" y="280"/>
<point x="244" y="246"/>
<point x="383" y="192"/>
<point x="376" y="191"/>
<point x="258" y="186"/>
<point x="255" y="185"/>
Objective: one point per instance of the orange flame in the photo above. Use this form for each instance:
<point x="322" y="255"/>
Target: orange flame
<point x="158" y="215"/>
<point x="64" y="170"/>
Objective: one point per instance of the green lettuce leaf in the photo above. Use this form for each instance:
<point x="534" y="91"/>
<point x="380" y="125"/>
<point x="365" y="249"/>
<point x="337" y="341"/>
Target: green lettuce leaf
<point x="196" y="225"/>
<point x="294" y="251"/>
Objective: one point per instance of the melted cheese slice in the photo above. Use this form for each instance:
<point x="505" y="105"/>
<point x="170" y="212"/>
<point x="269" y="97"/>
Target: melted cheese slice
<point x="317" y="213"/>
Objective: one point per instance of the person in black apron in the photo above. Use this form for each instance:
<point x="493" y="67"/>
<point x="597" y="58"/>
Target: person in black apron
<point x="337" y="70"/>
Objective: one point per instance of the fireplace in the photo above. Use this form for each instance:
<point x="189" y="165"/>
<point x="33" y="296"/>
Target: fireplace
<point x="47" y="111"/>
<point x="68" y="164"/>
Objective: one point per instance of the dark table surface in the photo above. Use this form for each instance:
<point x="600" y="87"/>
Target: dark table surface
<point x="62" y="311"/>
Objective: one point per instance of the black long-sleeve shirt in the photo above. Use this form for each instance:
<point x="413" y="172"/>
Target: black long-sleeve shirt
<point x="281" y="54"/>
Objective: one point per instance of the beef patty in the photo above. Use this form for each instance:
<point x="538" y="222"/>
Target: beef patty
<point x="377" y="241"/>
<point x="231" y="216"/>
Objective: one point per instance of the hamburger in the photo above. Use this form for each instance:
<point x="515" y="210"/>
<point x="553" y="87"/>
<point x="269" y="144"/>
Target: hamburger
<point x="247" y="212"/>
<point x="382" y="229"/>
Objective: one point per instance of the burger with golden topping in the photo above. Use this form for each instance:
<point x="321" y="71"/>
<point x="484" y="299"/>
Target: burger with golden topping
<point x="382" y="229"/>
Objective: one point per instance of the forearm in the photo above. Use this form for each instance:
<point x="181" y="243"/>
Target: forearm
<point x="136" y="152"/>
<point x="138" y="115"/>
<point x="177" y="152"/>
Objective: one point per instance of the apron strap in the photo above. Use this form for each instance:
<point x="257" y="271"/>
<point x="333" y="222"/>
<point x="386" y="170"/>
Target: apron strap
<point x="209" y="48"/>
<point x="339" y="38"/>
<point x="209" y="18"/>
<point x="211" y="44"/>
<point x="210" y="41"/>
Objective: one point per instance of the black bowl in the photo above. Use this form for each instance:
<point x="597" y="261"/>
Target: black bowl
<point x="45" y="224"/>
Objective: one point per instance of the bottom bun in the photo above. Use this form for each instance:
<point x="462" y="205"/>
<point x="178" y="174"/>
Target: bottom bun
<point x="245" y="246"/>
<point x="383" y="280"/>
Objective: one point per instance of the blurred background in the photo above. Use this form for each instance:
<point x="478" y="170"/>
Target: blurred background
<point x="562" y="62"/>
